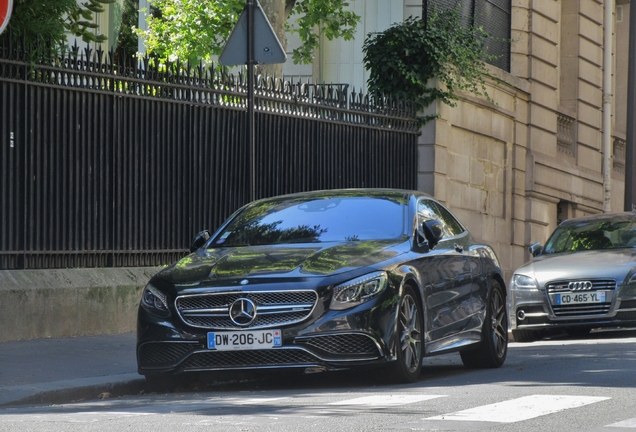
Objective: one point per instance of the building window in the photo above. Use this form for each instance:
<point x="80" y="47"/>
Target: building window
<point x="492" y="15"/>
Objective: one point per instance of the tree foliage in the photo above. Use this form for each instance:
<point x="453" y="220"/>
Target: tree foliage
<point x="44" y="23"/>
<point x="80" y="20"/>
<point x="330" y="17"/>
<point x="404" y="59"/>
<point x="189" y="29"/>
<point x="196" y="30"/>
<point x="38" y="20"/>
<point x="127" y="37"/>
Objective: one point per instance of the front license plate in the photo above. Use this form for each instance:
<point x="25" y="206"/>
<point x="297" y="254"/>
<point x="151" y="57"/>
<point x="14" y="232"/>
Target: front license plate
<point x="244" y="340"/>
<point x="580" y="298"/>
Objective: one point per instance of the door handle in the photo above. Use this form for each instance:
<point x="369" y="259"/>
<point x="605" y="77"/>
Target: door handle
<point x="459" y="248"/>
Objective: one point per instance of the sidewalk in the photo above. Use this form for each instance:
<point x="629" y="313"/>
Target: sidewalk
<point x="51" y="370"/>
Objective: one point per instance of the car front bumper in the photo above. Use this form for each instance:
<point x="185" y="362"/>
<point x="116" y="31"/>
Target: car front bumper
<point x="361" y="336"/>
<point x="534" y="310"/>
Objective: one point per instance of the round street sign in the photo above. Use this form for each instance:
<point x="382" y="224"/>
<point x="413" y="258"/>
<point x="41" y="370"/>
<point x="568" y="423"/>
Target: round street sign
<point x="5" y="13"/>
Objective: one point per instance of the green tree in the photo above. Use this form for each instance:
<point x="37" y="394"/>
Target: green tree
<point x="404" y="59"/>
<point x="45" y="23"/>
<point x="127" y="39"/>
<point x="196" y="30"/>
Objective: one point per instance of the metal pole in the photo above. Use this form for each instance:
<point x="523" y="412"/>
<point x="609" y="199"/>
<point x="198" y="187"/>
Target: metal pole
<point x="250" y="96"/>
<point x="608" y="22"/>
<point x="630" y="200"/>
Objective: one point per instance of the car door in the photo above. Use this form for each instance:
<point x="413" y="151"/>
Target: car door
<point x="447" y="273"/>
<point x="464" y="243"/>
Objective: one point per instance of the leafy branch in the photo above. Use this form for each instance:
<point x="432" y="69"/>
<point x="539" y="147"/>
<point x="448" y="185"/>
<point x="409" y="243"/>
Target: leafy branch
<point x="42" y="25"/>
<point x="405" y="58"/>
<point x="80" y="20"/>
<point x="331" y="19"/>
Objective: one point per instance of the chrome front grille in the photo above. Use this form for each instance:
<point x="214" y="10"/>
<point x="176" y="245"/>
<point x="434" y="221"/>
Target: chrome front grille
<point x="273" y="308"/>
<point x="571" y="310"/>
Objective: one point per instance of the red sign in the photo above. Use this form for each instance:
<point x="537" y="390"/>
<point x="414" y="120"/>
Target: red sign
<point x="5" y="13"/>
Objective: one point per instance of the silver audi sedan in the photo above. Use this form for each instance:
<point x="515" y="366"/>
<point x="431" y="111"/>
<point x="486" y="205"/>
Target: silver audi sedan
<point x="584" y="278"/>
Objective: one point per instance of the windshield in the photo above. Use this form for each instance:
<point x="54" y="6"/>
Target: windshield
<point x="592" y="235"/>
<point x="310" y="220"/>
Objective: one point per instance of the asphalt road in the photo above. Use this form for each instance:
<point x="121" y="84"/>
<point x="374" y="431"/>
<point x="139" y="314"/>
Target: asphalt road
<point x="585" y="384"/>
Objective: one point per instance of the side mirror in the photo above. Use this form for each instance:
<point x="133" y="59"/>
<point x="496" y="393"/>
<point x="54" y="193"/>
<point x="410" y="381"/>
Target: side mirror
<point x="432" y="232"/>
<point x="535" y="249"/>
<point x="199" y="240"/>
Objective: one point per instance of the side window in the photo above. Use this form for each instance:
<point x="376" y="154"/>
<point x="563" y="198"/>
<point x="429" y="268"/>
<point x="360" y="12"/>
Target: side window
<point x="429" y="210"/>
<point x="454" y="227"/>
<point x="425" y="211"/>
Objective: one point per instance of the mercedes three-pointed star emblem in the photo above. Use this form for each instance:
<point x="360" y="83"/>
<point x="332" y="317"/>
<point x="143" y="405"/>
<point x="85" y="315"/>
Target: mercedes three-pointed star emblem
<point x="243" y="312"/>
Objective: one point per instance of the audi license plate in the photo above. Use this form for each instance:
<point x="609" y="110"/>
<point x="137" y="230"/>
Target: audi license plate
<point x="244" y="340"/>
<point x="579" y="298"/>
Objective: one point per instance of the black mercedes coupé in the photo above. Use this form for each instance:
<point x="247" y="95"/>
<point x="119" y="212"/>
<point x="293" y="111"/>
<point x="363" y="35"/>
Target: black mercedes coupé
<point x="327" y="280"/>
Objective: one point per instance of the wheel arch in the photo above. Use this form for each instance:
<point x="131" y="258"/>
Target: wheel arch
<point x="410" y="279"/>
<point x="499" y="278"/>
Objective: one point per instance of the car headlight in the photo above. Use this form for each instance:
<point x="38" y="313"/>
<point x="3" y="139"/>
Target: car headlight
<point x="358" y="291"/>
<point x="154" y="301"/>
<point x="523" y="282"/>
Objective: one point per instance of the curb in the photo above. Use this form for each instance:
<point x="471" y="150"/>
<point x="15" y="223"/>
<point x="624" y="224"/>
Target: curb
<point x="60" y="392"/>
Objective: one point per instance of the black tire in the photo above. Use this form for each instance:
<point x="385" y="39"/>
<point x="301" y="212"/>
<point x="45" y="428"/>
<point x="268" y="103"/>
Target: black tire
<point x="493" y="349"/>
<point x="525" y="336"/>
<point x="409" y="340"/>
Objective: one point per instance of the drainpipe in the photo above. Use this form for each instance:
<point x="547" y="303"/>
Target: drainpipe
<point x="630" y="195"/>
<point x="607" y="105"/>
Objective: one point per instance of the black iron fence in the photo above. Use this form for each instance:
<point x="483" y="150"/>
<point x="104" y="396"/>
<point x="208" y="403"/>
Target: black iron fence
<point x="105" y="162"/>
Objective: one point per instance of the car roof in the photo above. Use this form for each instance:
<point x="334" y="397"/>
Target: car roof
<point x="602" y="217"/>
<point x="358" y="192"/>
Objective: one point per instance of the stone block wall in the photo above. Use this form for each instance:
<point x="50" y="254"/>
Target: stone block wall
<point x="500" y="168"/>
<point x="70" y="302"/>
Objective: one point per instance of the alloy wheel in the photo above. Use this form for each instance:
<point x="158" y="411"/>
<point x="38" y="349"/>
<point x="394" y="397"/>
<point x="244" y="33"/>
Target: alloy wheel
<point x="499" y="326"/>
<point x="411" y="334"/>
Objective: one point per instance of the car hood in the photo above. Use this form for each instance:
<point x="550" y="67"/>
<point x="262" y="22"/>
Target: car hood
<point x="600" y="264"/>
<point x="222" y="264"/>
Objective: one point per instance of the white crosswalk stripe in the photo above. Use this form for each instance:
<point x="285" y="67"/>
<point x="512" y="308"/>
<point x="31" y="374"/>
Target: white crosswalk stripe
<point x="386" y="400"/>
<point x="289" y="412"/>
<point x="628" y="424"/>
<point x="520" y="409"/>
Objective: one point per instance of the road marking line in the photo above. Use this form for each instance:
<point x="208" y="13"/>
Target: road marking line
<point x="520" y="409"/>
<point x="630" y="423"/>
<point x="252" y="401"/>
<point x="386" y="400"/>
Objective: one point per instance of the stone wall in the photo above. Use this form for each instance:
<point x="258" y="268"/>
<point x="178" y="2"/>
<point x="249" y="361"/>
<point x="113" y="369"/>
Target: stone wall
<point x="513" y="170"/>
<point x="70" y="302"/>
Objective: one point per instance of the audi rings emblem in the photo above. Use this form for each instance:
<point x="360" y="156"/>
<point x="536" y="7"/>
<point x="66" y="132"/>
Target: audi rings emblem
<point x="243" y="312"/>
<point x="580" y="286"/>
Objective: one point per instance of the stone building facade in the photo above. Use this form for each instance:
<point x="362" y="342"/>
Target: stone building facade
<point x="512" y="171"/>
